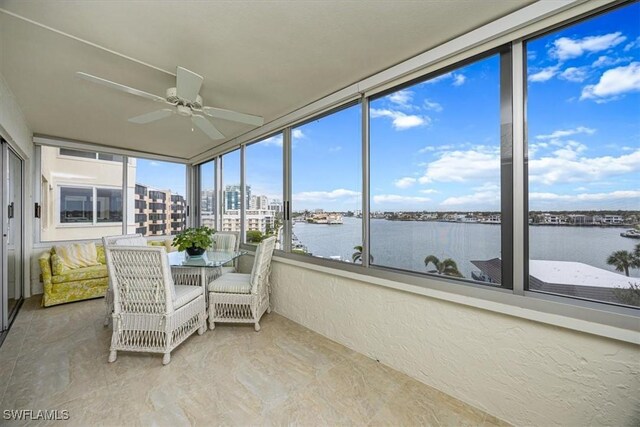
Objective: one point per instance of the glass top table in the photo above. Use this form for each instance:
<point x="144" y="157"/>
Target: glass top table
<point x="211" y="259"/>
<point x="200" y="270"/>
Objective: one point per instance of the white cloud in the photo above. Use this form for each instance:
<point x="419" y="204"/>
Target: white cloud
<point x="405" y="182"/>
<point x="479" y="163"/>
<point x="430" y="148"/>
<point x="459" y="79"/>
<point x="586" y="197"/>
<point x="402" y="98"/>
<point x="274" y="140"/>
<point x="614" y="82"/>
<point x="549" y="170"/>
<point x="312" y="196"/>
<point x="432" y="105"/>
<point x="607" y="61"/>
<point x="574" y="74"/>
<point x="487" y="198"/>
<point x="277" y="139"/>
<point x="544" y="74"/>
<point x="566" y="132"/>
<point x="335" y="149"/>
<point x="400" y="120"/>
<point x="632" y="45"/>
<point x="395" y="198"/>
<point x="566" y="48"/>
<point x="429" y="191"/>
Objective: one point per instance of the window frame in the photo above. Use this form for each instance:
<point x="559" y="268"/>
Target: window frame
<point x="43" y="141"/>
<point x="600" y="318"/>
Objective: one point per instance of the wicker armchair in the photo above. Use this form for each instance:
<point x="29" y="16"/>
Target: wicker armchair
<point x="227" y="241"/>
<point x="243" y="298"/>
<point x="151" y="314"/>
<point x="119" y="240"/>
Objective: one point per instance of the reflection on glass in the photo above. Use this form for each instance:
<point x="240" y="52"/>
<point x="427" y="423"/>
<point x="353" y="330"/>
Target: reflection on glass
<point x="584" y="150"/>
<point x="435" y="175"/>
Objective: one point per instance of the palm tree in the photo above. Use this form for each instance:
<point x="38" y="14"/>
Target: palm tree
<point x="357" y="255"/>
<point x="622" y="260"/>
<point x="447" y="267"/>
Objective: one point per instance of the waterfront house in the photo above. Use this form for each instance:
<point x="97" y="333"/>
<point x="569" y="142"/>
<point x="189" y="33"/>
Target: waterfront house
<point x="454" y="131"/>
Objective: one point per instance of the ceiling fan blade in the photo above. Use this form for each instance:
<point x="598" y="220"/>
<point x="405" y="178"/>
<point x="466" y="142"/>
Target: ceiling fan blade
<point x="207" y="127"/>
<point x="188" y="84"/>
<point x="119" y="87"/>
<point x="151" y="117"/>
<point x="233" y="116"/>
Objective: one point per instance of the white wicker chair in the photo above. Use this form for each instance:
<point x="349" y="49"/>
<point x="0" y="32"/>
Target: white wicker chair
<point x="150" y="313"/>
<point x="243" y="298"/>
<point x="119" y="240"/>
<point x="227" y="241"/>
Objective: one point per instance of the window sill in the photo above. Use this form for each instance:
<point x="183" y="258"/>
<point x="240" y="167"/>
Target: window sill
<point x="552" y="310"/>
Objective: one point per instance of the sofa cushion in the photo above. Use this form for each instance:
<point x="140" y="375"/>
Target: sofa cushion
<point x="84" y="273"/>
<point x="78" y="255"/>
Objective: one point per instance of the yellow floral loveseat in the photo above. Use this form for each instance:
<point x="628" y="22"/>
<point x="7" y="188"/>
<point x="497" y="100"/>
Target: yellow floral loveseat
<point x="64" y="285"/>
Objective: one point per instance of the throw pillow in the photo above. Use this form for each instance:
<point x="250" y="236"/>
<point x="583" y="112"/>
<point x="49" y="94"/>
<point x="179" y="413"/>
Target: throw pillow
<point x="78" y="255"/>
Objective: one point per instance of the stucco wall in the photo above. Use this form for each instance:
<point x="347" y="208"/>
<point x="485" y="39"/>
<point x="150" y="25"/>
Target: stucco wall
<point x="523" y="372"/>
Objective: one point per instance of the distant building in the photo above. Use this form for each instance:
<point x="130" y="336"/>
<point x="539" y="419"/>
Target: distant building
<point x="158" y="212"/>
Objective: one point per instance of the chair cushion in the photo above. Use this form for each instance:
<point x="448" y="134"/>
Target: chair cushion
<point x="232" y="283"/>
<point x="185" y="294"/>
<point x="228" y="270"/>
<point x="85" y="273"/>
<point x="78" y="255"/>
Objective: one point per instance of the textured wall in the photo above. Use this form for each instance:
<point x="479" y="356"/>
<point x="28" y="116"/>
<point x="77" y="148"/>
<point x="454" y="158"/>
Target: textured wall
<point x="524" y="372"/>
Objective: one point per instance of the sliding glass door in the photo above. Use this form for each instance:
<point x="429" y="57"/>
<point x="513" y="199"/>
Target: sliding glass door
<point x="12" y="245"/>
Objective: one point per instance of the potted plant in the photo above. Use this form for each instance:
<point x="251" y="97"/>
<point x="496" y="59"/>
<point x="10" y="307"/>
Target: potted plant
<point x="194" y="240"/>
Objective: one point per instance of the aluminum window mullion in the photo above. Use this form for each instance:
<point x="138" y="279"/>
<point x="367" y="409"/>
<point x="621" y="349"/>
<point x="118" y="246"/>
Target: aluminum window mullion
<point x="243" y="192"/>
<point x="286" y="190"/>
<point x="366" y="244"/>
<point x="125" y="194"/>
<point x="218" y="191"/>
<point x="506" y="169"/>
<point x="519" y="184"/>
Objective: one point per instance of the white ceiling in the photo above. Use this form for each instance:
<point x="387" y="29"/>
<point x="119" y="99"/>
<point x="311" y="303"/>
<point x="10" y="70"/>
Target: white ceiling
<point x="260" y="57"/>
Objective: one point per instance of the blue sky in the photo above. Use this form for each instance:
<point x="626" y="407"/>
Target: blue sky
<point x="435" y="146"/>
<point x="161" y="175"/>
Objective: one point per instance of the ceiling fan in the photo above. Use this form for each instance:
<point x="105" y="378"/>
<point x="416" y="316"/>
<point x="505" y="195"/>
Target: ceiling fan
<point x="186" y="101"/>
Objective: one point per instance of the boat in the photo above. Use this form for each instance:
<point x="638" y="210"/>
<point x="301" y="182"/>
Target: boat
<point x="631" y="233"/>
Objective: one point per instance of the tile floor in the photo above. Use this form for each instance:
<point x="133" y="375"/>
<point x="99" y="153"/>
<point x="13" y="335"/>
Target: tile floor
<point x="56" y="358"/>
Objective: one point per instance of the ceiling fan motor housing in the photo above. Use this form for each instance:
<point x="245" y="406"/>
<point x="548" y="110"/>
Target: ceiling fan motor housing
<point x="173" y="98"/>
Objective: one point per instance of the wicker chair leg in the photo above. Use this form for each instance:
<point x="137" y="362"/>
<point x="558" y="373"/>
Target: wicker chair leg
<point x="268" y="310"/>
<point x="166" y="358"/>
<point x="257" y="326"/>
<point x="212" y="324"/>
<point x="106" y="321"/>
<point x="113" y="355"/>
<point x="202" y="329"/>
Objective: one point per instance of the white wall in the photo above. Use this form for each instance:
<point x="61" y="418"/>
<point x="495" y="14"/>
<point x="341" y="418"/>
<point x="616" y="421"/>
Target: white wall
<point x="14" y="128"/>
<point x="524" y="372"/>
